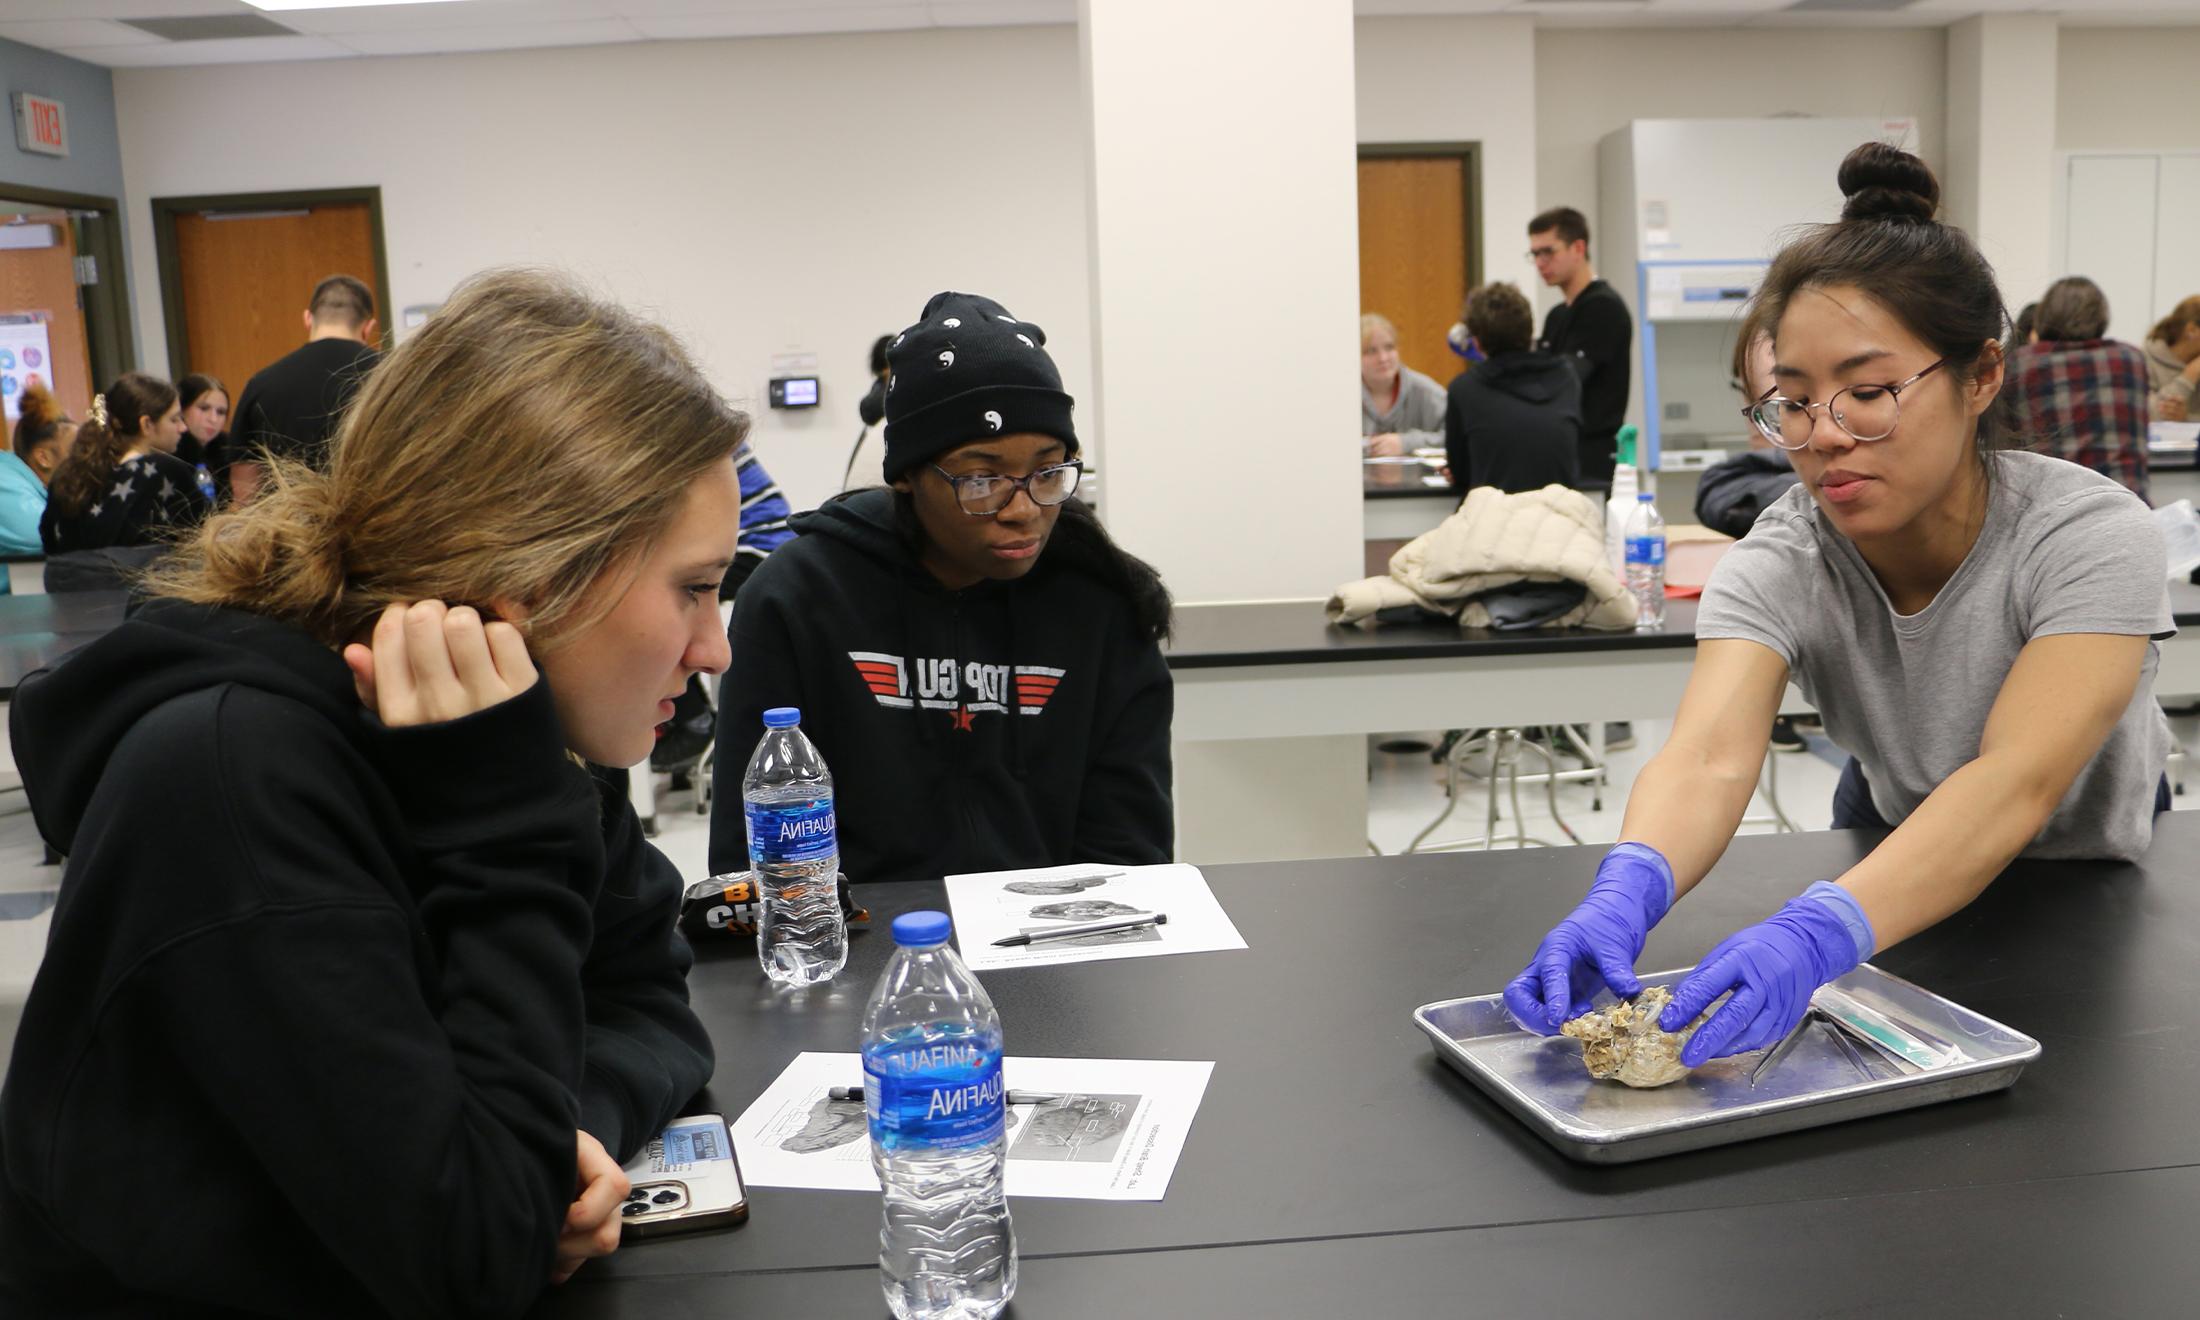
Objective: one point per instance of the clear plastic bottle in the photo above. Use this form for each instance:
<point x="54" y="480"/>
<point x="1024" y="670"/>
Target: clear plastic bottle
<point x="206" y="484"/>
<point x="932" y="1083"/>
<point x="1646" y="562"/>
<point x="801" y="937"/>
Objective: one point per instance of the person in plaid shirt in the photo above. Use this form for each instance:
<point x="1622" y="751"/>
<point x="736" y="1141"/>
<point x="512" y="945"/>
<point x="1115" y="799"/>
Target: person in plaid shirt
<point x="2078" y="395"/>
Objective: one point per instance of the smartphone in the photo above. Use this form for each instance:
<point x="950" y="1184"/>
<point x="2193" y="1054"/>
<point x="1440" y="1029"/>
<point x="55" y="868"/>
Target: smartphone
<point x="686" y="1181"/>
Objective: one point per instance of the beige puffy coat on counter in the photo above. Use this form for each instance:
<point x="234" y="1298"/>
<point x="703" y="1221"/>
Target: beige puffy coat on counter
<point x="1495" y="540"/>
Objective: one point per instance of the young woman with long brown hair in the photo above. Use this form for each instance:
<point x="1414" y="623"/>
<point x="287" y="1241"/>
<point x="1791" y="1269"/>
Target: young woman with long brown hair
<point x="364" y="1022"/>
<point x="122" y="484"/>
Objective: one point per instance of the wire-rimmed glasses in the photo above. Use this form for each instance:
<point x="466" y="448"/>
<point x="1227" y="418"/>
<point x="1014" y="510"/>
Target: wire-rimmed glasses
<point x="1863" y="412"/>
<point x="984" y="496"/>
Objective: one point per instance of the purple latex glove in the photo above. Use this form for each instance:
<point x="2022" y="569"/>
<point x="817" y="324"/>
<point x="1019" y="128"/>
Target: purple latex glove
<point x="1773" y="968"/>
<point x="1597" y="945"/>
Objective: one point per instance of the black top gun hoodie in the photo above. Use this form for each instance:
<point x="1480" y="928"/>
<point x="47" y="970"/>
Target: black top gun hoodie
<point x="1010" y="724"/>
<point x="323" y="1002"/>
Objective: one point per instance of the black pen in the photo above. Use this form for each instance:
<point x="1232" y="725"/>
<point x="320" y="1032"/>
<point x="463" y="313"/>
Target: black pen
<point x="1131" y="922"/>
<point x="1014" y="1097"/>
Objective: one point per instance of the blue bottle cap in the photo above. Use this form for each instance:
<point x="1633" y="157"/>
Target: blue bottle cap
<point x="916" y="930"/>
<point x="782" y="717"/>
<point x="1643" y="498"/>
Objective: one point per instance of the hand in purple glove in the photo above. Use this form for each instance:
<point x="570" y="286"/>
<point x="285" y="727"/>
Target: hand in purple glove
<point x="1773" y="968"/>
<point x="1597" y="945"/>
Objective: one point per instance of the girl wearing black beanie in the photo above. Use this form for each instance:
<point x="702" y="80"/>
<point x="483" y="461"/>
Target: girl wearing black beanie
<point x="976" y="658"/>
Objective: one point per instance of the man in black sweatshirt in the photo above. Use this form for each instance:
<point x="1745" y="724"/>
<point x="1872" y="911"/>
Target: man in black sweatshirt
<point x="291" y="407"/>
<point x="1591" y="331"/>
<point x="324" y="1008"/>
<point x="1512" y="420"/>
<point x="977" y="661"/>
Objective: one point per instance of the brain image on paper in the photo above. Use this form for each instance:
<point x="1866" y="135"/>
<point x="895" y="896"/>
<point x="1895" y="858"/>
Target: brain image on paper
<point x="1086" y="1129"/>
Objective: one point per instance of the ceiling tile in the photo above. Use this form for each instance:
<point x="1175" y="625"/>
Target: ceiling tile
<point x="256" y="50"/>
<point x="513" y="36"/>
<point x="59" y="34"/>
<point x="424" y="18"/>
<point x="787" y="22"/>
<point x="24" y="10"/>
<point x="1001" y="13"/>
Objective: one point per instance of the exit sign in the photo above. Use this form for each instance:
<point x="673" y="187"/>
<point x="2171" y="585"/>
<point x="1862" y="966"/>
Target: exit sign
<point x="40" y="125"/>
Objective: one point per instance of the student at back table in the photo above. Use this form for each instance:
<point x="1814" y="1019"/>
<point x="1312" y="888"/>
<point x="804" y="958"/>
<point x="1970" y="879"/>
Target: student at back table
<point x="1512" y="420"/>
<point x="42" y="438"/>
<point x="977" y="660"/>
<point x="122" y="485"/>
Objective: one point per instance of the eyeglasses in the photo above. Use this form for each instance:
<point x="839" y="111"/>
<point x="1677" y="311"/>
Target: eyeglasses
<point x="1539" y="253"/>
<point x="1863" y="412"/>
<point x="984" y="496"/>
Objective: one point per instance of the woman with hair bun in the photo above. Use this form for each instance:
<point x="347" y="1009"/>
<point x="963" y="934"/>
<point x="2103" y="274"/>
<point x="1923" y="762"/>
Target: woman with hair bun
<point x="122" y="484"/>
<point x="385" y="998"/>
<point x="43" y="435"/>
<point x="1979" y="628"/>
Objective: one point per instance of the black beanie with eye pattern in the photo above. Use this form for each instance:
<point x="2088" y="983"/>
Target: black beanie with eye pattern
<point x="966" y="370"/>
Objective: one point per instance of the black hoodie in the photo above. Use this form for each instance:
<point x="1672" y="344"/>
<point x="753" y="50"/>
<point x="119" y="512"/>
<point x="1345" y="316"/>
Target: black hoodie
<point x="312" y="1035"/>
<point x="1514" y="422"/>
<point x="1010" y="724"/>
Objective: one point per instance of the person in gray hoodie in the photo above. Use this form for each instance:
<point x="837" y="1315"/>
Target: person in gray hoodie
<point x="1400" y="409"/>
<point x="1514" y="421"/>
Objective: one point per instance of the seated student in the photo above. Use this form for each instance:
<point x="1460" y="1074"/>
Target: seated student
<point x="206" y="444"/>
<point x="43" y="434"/>
<point x="364" y="1023"/>
<point x="2173" y="362"/>
<point x="1734" y="490"/>
<point x="1979" y="628"/>
<point x="122" y="484"/>
<point x="1513" y="420"/>
<point x="205" y="405"/>
<point x="977" y="660"/>
<point x="1400" y="408"/>
<point x="2079" y="395"/>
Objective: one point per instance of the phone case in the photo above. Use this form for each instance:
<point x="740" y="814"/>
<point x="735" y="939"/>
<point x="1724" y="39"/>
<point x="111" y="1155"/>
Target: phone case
<point x="685" y="1181"/>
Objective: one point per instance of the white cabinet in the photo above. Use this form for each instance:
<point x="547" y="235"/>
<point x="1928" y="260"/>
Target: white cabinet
<point x="2131" y="224"/>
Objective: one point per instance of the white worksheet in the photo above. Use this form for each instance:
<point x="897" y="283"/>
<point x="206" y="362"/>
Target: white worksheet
<point x="989" y="905"/>
<point x="1110" y="1129"/>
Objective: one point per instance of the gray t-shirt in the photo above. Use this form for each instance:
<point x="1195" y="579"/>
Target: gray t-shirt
<point x="2064" y="550"/>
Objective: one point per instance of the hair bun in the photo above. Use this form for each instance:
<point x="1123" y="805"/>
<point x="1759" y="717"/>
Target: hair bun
<point x="1884" y="182"/>
<point x="36" y="407"/>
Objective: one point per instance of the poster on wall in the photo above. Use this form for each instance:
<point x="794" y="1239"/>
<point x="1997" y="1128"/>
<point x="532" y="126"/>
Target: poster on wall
<point x="26" y="356"/>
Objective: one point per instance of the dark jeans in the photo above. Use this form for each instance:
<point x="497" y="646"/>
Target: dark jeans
<point x="1853" y="809"/>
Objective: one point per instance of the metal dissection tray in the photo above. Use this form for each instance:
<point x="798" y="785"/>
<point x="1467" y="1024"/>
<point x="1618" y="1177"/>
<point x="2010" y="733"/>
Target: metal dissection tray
<point x="1822" y="1080"/>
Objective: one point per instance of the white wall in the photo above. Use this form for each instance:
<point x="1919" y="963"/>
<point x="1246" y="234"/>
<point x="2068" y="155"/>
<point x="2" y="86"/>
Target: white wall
<point x="758" y="195"/>
<point x="1589" y="82"/>
<point x="1461" y="80"/>
<point x="1224" y="219"/>
<point x="2121" y="88"/>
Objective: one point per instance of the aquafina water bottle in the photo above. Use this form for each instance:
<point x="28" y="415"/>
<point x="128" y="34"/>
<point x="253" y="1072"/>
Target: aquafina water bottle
<point x="939" y="1143"/>
<point x="1646" y="562"/>
<point x="801" y="937"/>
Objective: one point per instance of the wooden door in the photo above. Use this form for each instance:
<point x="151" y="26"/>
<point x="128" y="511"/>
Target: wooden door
<point x="245" y="277"/>
<point x="1415" y="224"/>
<point x="40" y="281"/>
